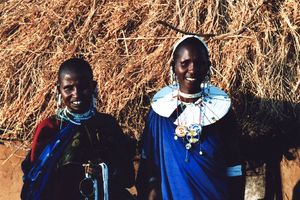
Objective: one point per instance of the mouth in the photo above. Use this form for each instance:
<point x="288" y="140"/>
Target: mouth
<point x="78" y="106"/>
<point x="190" y="79"/>
<point x="77" y="103"/>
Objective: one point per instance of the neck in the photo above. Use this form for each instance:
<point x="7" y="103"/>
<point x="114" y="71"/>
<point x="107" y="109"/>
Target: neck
<point x="189" y="97"/>
<point x="79" y="115"/>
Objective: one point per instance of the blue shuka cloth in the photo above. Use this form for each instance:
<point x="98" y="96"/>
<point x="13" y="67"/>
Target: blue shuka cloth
<point x="202" y="176"/>
<point x="38" y="175"/>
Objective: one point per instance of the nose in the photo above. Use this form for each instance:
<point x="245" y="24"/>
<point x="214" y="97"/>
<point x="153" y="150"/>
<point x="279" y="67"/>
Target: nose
<point x="76" y="92"/>
<point x="192" y="67"/>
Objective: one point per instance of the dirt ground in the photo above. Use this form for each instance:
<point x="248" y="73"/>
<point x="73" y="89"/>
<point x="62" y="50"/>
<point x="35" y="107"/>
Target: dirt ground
<point x="11" y="177"/>
<point x="10" y="172"/>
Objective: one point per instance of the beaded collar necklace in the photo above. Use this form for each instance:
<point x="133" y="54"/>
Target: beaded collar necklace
<point x="75" y="118"/>
<point x="190" y="96"/>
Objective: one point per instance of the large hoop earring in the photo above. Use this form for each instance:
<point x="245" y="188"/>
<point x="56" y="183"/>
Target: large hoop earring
<point x="208" y="76"/>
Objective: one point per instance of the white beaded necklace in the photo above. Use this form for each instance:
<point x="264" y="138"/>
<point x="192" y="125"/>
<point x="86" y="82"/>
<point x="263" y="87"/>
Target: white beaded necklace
<point x="74" y="117"/>
<point x="190" y="96"/>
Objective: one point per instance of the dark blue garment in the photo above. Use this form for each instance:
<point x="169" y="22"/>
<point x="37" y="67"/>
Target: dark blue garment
<point x="202" y="176"/>
<point x="38" y="175"/>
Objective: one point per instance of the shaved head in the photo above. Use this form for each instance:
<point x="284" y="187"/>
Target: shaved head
<point x="75" y="65"/>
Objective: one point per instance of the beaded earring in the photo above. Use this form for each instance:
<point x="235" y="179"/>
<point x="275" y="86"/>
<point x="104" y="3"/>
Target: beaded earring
<point x="94" y="98"/>
<point x="58" y="96"/>
<point x="58" y="100"/>
<point x="173" y="77"/>
<point x="94" y="101"/>
<point x="206" y="83"/>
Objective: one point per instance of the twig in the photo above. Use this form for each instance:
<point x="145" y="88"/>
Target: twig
<point x="212" y="35"/>
<point x="182" y="31"/>
<point x="146" y="38"/>
<point x="125" y="43"/>
<point x="241" y="30"/>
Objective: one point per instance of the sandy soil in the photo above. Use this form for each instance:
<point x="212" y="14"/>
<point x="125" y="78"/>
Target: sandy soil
<point x="10" y="172"/>
<point x="11" y="176"/>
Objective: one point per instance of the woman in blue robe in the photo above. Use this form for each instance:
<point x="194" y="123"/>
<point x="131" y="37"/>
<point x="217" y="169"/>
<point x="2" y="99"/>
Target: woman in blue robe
<point x="189" y="147"/>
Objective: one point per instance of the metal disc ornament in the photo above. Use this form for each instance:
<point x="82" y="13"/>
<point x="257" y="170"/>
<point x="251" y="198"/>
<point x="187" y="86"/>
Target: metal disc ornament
<point x="192" y="139"/>
<point x="195" y="129"/>
<point x="188" y="146"/>
<point x="181" y="131"/>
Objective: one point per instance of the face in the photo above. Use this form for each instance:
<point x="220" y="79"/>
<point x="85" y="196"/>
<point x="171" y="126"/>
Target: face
<point x="191" y="67"/>
<point x="76" y="90"/>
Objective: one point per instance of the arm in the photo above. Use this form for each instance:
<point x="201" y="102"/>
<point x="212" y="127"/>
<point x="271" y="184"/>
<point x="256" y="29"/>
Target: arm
<point x="148" y="177"/>
<point x="235" y="166"/>
<point x="43" y="134"/>
<point x="124" y="151"/>
<point x="128" y="151"/>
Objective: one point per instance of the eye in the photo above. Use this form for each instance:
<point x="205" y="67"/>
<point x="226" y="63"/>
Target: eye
<point x="68" y="89"/>
<point x="84" y="86"/>
<point x="185" y="63"/>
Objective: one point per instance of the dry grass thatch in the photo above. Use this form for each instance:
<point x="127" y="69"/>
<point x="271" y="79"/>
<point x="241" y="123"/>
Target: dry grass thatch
<point x="254" y="49"/>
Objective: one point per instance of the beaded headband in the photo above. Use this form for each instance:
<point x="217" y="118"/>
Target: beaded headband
<point x="184" y="38"/>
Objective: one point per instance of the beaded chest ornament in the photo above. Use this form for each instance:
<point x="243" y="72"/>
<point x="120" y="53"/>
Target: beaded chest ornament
<point x="191" y="133"/>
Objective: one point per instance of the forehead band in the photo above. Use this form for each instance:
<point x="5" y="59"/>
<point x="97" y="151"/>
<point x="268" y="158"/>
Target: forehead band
<point x="186" y="37"/>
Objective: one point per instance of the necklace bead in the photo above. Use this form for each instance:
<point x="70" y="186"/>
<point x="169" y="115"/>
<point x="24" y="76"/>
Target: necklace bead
<point x="74" y="117"/>
<point x="190" y="96"/>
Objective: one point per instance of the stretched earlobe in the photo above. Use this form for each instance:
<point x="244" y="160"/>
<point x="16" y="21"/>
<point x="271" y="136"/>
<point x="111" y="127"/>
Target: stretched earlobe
<point x="172" y="74"/>
<point x="58" y="100"/>
<point x="208" y="76"/>
<point x="57" y="87"/>
<point x="95" y="95"/>
<point x="172" y="63"/>
<point x="58" y="96"/>
<point x="94" y="101"/>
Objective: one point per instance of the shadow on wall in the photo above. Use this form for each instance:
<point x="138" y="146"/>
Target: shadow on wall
<point x="268" y="146"/>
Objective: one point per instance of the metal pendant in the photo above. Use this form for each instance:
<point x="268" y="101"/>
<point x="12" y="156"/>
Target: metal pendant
<point x="181" y="131"/>
<point x="194" y="132"/>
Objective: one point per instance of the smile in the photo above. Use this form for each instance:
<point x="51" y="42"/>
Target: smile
<point x="191" y="79"/>
<point x="77" y="102"/>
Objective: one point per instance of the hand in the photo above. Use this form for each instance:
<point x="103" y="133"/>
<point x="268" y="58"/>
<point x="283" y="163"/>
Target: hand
<point x="154" y="194"/>
<point x="93" y="170"/>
